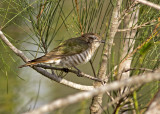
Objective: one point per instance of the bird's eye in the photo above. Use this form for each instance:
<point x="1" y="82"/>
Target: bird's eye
<point x="93" y="37"/>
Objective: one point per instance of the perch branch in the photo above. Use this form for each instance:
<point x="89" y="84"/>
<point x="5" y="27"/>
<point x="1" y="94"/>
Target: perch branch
<point x="69" y="70"/>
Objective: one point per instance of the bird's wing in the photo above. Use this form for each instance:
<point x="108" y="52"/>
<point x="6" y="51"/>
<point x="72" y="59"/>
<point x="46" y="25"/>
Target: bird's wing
<point x="69" y="47"/>
<point x="66" y="48"/>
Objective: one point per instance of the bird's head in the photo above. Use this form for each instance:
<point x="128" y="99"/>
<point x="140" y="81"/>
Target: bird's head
<point x="93" y="39"/>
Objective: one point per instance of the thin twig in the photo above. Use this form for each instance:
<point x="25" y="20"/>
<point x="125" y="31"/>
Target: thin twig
<point x="143" y="69"/>
<point x="92" y="68"/>
<point x="42" y="7"/>
<point x="126" y="70"/>
<point x="155" y="32"/>
<point x="126" y="12"/>
<point x="149" y="4"/>
<point x="79" y="17"/>
<point x="14" y="49"/>
<point x="110" y="96"/>
<point x="154" y="105"/>
<point x="81" y="74"/>
<point x="117" y="99"/>
<point x="114" y="24"/>
<point x="136" y="27"/>
<point x="41" y="10"/>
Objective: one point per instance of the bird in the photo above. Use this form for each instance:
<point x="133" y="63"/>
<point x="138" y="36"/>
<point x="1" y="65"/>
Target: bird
<point x="71" y="52"/>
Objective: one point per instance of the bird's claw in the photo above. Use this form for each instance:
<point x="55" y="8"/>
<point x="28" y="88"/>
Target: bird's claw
<point x="66" y="70"/>
<point x="79" y="73"/>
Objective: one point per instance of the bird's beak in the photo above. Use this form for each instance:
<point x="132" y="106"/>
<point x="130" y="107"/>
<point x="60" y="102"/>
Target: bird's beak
<point x="102" y="41"/>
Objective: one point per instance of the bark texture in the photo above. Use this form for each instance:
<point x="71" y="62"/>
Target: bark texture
<point x="96" y="104"/>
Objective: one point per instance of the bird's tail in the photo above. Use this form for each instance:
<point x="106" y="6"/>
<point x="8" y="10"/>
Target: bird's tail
<point x="28" y="64"/>
<point x="34" y="62"/>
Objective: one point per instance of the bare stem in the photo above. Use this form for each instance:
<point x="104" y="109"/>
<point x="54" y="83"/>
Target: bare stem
<point x="155" y="32"/>
<point x="92" y="68"/>
<point x="154" y="104"/>
<point x="41" y="10"/>
<point x="136" y="27"/>
<point x="149" y="4"/>
<point x="79" y="17"/>
<point x="69" y="70"/>
<point x="97" y="100"/>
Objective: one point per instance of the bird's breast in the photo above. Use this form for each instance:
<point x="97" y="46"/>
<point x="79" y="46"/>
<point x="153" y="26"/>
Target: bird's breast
<point x="76" y="59"/>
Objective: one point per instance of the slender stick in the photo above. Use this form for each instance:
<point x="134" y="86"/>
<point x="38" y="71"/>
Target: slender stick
<point x="79" y="17"/>
<point x="149" y="4"/>
<point x="97" y="100"/>
<point x="136" y="27"/>
<point x="92" y="68"/>
<point x="154" y="105"/>
<point x="69" y="70"/>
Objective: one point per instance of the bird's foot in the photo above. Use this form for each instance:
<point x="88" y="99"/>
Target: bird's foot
<point x="79" y="73"/>
<point x="66" y="70"/>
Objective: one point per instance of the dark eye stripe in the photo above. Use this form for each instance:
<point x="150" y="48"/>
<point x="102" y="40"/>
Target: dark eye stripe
<point x="93" y="37"/>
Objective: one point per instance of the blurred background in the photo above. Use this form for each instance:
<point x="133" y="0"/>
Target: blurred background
<point x="35" y="33"/>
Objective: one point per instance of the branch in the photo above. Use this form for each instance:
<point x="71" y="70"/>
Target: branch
<point x="122" y="97"/>
<point x="40" y="70"/>
<point x="154" y="105"/>
<point x="14" y="49"/>
<point x="149" y="4"/>
<point x="97" y="100"/>
<point x="136" y="27"/>
<point x="81" y="74"/>
<point x="126" y="12"/>
<point x="129" y="21"/>
<point x="41" y="10"/>
<point x="79" y="17"/>
<point x="155" y="33"/>
<point x="142" y="69"/>
<point x="140" y="79"/>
